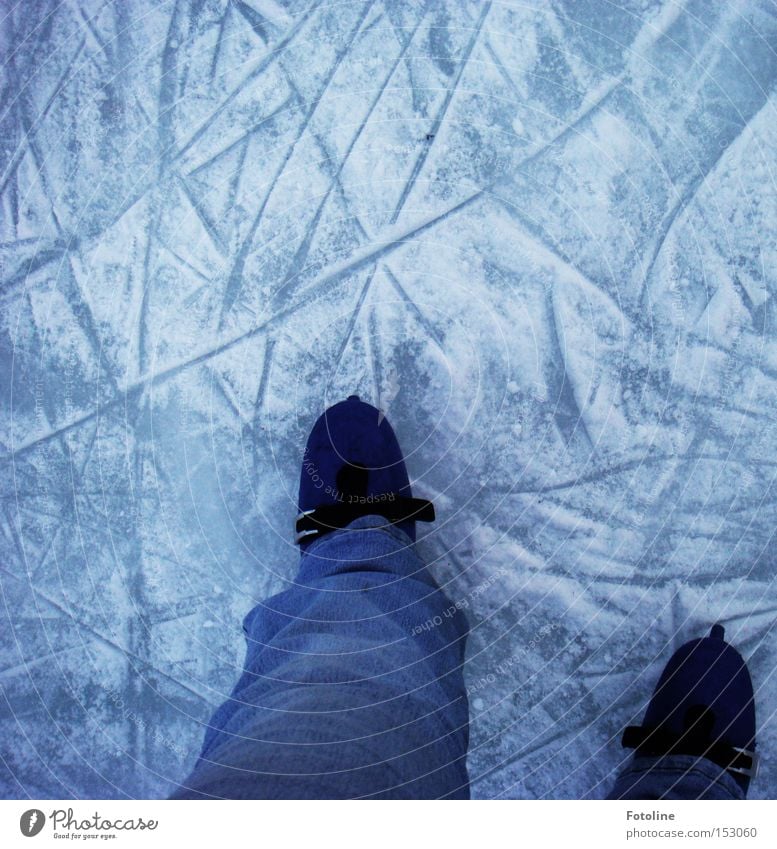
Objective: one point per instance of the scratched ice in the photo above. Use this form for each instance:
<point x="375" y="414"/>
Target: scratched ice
<point x="541" y="236"/>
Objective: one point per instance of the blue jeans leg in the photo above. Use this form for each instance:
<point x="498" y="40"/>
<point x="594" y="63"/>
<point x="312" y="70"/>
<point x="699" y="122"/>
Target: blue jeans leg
<point x="675" y="777"/>
<point x="353" y="683"/>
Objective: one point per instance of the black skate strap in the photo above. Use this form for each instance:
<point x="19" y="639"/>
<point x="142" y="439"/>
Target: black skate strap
<point x="394" y="508"/>
<point x="661" y="741"/>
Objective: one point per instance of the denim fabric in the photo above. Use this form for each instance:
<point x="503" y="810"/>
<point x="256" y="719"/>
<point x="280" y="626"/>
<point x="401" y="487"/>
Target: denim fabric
<point x="352" y="686"/>
<point x="675" y="777"/>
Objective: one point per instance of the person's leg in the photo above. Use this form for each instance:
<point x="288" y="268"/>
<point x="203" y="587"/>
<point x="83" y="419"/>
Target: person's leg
<point x="353" y="683"/>
<point x="675" y="777"/>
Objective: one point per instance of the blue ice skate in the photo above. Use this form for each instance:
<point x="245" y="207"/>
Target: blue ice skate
<point x="353" y="467"/>
<point x="704" y="706"/>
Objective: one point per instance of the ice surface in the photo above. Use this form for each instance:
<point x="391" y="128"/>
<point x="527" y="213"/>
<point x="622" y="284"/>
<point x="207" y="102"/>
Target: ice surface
<point x="541" y="235"/>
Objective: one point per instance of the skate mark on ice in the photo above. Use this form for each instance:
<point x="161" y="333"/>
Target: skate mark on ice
<point x="440" y="117"/>
<point x="28" y="133"/>
<point x="566" y="410"/>
<point x="386" y="244"/>
<point x="295" y="266"/>
<point x="423" y="320"/>
<point x="235" y="279"/>
<point x="271" y="56"/>
<point x="352" y="321"/>
<point x="103" y="638"/>
<point x="685" y="198"/>
<point x="241" y="140"/>
<point x="261" y="401"/>
<point x="252" y="18"/>
<point x="207" y="224"/>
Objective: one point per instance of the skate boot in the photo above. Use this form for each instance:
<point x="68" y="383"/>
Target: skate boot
<point x="703" y="705"/>
<point x="353" y="467"/>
